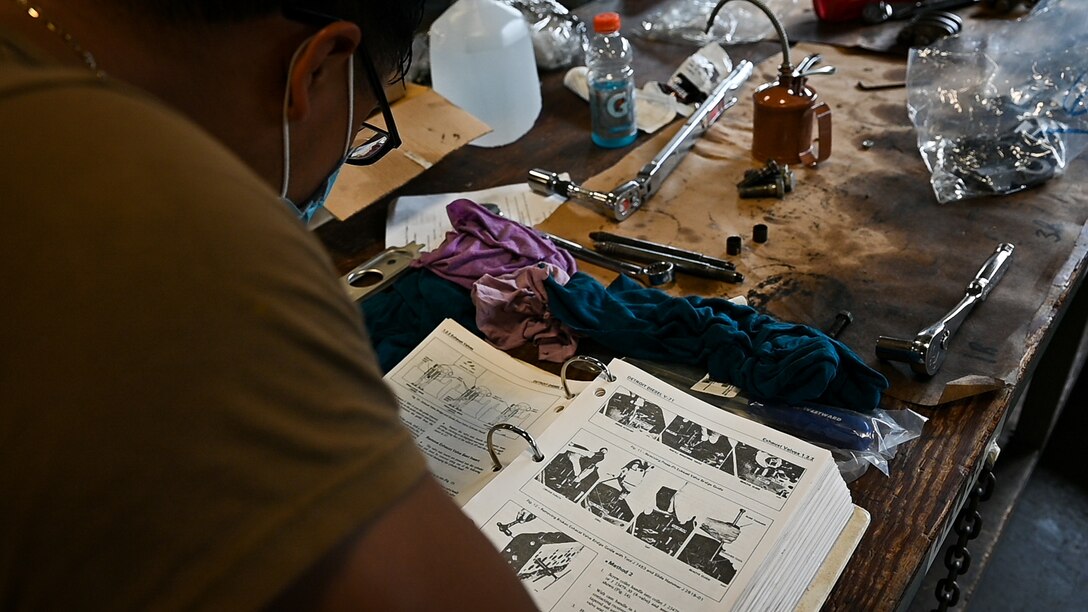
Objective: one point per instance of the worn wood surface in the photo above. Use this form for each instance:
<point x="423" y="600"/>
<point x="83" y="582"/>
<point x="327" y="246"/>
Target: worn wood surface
<point x="913" y="508"/>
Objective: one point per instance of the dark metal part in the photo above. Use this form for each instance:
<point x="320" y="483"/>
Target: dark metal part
<point x="777" y="189"/>
<point x="842" y="319"/>
<point x="760" y="176"/>
<point x="733" y="245"/>
<point x="661" y="248"/>
<point x="929" y="27"/>
<point x="787" y="178"/>
<point x="862" y="85"/>
<point x="880" y="12"/>
<point x="759" y="233"/>
<point x="968" y="525"/>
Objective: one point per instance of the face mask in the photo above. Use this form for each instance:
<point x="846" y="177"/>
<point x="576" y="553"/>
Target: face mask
<point x="316" y="201"/>
<point x="308" y="207"/>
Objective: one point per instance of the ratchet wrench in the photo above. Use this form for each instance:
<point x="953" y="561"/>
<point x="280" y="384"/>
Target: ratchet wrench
<point x="629" y="196"/>
<point x="926" y="351"/>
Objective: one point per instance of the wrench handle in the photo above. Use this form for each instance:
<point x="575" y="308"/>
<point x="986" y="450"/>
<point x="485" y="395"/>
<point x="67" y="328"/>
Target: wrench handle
<point x="977" y="290"/>
<point x="992" y="271"/>
<point x="593" y="257"/>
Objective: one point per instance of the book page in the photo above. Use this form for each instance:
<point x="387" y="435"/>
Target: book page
<point x="647" y="499"/>
<point x="453" y="387"/>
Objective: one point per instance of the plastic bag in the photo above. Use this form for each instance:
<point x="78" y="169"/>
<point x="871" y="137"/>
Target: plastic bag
<point x="856" y="439"/>
<point x="737" y="22"/>
<point x="1003" y="107"/>
<point x="558" y="35"/>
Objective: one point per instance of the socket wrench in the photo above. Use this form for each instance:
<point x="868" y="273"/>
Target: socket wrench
<point x="629" y="196"/>
<point x="926" y="351"/>
<point x="656" y="274"/>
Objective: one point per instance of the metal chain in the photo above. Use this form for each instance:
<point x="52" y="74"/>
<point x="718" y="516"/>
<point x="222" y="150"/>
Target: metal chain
<point x="967" y="527"/>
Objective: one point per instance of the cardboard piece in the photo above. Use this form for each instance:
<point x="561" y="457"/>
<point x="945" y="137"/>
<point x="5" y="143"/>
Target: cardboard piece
<point x="430" y="127"/>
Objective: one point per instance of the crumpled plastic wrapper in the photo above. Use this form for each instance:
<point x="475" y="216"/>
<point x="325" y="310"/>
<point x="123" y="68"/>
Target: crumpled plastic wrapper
<point x="558" y="35"/>
<point x="684" y="21"/>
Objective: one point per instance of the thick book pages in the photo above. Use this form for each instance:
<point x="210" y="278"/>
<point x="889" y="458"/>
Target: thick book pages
<point x="647" y="498"/>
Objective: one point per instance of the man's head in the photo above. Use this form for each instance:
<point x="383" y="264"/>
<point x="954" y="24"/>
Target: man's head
<point x="268" y="78"/>
<point x="387" y="26"/>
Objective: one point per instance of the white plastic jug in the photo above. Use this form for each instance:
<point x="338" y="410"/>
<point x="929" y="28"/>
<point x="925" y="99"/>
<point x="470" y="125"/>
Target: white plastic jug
<point x="482" y="60"/>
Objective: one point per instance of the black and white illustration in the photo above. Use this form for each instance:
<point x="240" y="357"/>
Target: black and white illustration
<point x="463" y="387"/>
<point x="701" y="444"/>
<point x="636" y="413"/>
<point x="575" y="470"/>
<point x="700" y="529"/>
<point x="766" y="470"/>
<point x="707" y="550"/>
<point x="548" y="560"/>
<point x="655" y="505"/>
<point x="608" y="497"/>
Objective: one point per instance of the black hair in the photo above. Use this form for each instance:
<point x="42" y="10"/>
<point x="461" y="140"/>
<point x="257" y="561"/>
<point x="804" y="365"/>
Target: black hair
<point x="387" y="25"/>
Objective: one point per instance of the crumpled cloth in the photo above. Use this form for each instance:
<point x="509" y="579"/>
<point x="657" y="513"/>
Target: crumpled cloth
<point x="400" y="317"/>
<point x="766" y="358"/>
<point x="512" y="310"/>
<point x="484" y="243"/>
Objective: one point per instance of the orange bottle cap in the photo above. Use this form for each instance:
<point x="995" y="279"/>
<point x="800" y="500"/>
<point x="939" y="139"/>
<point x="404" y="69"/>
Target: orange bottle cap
<point x="606" y="23"/>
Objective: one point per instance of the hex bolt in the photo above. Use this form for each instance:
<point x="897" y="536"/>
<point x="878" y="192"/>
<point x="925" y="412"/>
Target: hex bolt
<point x="842" y="319"/>
<point x="759" y="176"/>
<point x="777" y="189"/>
<point x="787" y="178"/>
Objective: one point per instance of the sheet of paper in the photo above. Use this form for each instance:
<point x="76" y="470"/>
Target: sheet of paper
<point x="649" y="499"/>
<point x="423" y="218"/>
<point x="453" y="387"/>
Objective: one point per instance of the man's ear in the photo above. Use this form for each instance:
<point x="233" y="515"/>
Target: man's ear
<point x="326" y="52"/>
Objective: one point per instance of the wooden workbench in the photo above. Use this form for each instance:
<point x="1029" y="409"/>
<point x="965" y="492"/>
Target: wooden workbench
<point x="913" y="509"/>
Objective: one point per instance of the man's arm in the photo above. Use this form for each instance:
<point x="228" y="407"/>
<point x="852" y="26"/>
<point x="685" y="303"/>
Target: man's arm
<point x="422" y="553"/>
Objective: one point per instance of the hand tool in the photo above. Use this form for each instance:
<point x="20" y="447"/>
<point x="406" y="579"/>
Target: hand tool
<point x="688" y="266"/>
<point x="664" y="249"/>
<point x="926" y="352"/>
<point x="629" y="196"/>
<point x="654" y="275"/>
<point x="377" y="272"/>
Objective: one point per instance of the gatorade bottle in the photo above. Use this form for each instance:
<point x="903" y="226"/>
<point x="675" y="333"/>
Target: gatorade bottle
<point x="611" y="84"/>
<point x="482" y="60"/>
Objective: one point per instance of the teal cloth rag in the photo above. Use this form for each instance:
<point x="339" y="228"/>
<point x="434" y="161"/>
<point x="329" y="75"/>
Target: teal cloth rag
<point x="401" y="316"/>
<point x="766" y="358"/>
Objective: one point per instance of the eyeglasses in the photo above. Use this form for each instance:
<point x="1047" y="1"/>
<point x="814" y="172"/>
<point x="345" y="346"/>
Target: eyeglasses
<point x="374" y="142"/>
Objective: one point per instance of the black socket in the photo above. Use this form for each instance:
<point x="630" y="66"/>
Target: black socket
<point x="759" y="233"/>
<point x="732" y="245"/>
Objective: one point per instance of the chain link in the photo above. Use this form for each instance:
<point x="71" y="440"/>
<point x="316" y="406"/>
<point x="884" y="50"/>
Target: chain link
<point x="968" y="524"/>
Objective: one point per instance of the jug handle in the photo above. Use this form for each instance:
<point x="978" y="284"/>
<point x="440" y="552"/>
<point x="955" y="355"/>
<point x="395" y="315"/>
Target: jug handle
<point x="823" y="122"/>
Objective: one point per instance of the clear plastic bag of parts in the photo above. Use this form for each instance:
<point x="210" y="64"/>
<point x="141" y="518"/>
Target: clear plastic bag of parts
<point x="684" y="21"/>
<point x="856" y="439"/>
<point x="1004" y="106"/>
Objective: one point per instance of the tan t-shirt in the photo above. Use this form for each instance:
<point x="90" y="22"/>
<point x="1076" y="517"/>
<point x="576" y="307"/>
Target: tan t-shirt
<point x="190" y="413"/>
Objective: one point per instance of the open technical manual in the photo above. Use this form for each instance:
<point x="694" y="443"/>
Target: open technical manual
<point x="646" y="499"/>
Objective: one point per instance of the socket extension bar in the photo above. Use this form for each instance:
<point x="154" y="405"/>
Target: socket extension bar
<point x="630" y="196"/>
